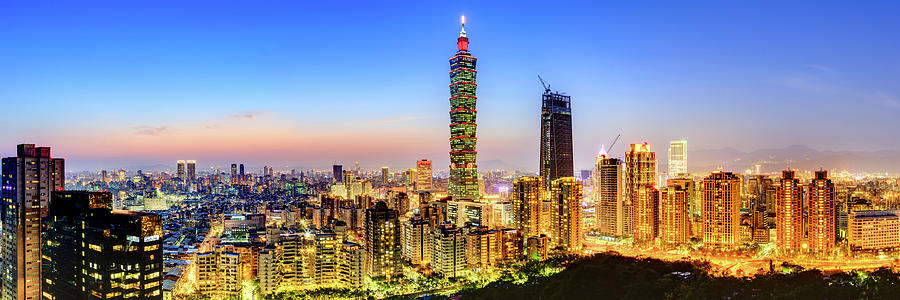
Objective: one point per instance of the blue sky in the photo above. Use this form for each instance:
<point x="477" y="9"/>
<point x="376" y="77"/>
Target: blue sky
<point x="308" y="83"/>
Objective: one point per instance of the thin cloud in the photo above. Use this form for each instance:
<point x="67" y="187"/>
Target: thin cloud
<point x="150" y="130"/>
<point x="211" y="126"/>
<point x="822" y="68"/>
<point x="389" y="120"/>
<point x="249" y="115"/>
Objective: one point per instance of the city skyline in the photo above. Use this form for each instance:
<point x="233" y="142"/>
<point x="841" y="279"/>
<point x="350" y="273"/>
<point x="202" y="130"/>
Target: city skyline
<point x="229" y="89"/>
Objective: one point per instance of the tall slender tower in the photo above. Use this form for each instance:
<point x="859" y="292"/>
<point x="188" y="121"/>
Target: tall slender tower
<point x="556" y="137"/>
<point x="789" y="213"/>
<point x="463" y="169"/>
<point x="608" y="194"/>
<point x="641" y="207"/>
<point x="677" y="157"/>
<point x="29" y="178"/>
<point x="821" y="213"/>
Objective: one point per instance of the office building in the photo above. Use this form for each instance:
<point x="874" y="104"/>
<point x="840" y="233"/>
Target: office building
<point x="191" y="166"/>
<point x="565" y="214"/>
<point x="761" y="195"/>
<point x="526" y="205"/>
<point x="382" y="246"/>
<point x="720" y="194"/>
<point x="234" y="174"/>
<point x="873" y="230"/>
<point x="337" y="173"/>
<point x="641" y="207"/>
<point x="463" y="183"/>
<point x="423" y="175"/>
<point x="789" y="213"/>
<point x="607" y="190"/>
<point x="29" y="179"/>
<point x="92" y="250"/>
<point x="385" y="176"/>
<point x="556" y="137"/>
<point x="179" y="170"/>
<point x="678" y="157"/>
<point x="821" y="213"/>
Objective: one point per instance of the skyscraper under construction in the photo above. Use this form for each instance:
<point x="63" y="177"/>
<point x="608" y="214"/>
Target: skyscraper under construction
<point x="463" y="169"/>
<point x="556" y="137"/>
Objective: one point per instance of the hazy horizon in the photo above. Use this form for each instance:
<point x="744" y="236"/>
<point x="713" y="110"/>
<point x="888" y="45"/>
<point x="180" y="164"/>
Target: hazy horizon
<point x="308" y="84"/>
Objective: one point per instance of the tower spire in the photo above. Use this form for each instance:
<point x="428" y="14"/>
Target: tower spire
<point x="462" y="32"/>
<point x="463" y="42"/>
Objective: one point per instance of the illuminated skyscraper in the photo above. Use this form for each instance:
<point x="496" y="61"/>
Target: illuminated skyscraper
<point x="789" y="213"/>
<point x="28" y="181"/>
<point x="674" y="218"/>
<point x="179" y="170"/>
<point x="677" y="157"/>
<point x="191" y="170"/>
<point x="720" y="196"/>
<point x="565" y="214"/>
<point x="556" y="137"/>
<point x="608" y="195"/>
<point x="241" y="173"/>
<point x="423" y="175"/>
<point x="463" y="168"/>
<point x="92" y="250"/>
<point x="385" y="174"/>
<point x="338" y="173"/>
<point x="641" y="208"/>
<point x="526" y="205"/>
<point x="382" y="246"/>
<point x="821" y="213"/>
<point x="234" y="174"/>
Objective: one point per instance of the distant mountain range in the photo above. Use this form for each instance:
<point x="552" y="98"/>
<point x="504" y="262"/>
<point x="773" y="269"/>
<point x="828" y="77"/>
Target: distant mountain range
<point x="797" y="157"/>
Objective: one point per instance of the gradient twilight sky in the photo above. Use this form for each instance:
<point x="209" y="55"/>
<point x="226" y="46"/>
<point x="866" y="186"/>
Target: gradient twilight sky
<point x="306" y="83"/>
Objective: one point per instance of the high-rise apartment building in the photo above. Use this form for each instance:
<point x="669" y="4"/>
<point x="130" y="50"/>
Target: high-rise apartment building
<point x="526" y="205"/>
<point x="678" y="157"/>
<point x="92" y="250"/>
<point x="350" y="267"/>
<point x="417" y="241"/>
<point x="269" y="270"/>
<point x="219" y="273"/>
<point x="789" y="213"/>
<point x="674" y="212"/>
<point x="448" y="250"/>
<point x="608" y="195"/>
<point x="556" y="137"/>
<point x="487" y="248"/>
<point x="463" y="168"/>
<point x="641" y="208"/>
<point x="28" y="181"/>
<point x="382" y="246"/>
<point x="565" y="214"/>
<point x="821" y="213"/>
<point x="327" y="245"/>
<point x="423" y="175"/>
<point x="720" y="195"/>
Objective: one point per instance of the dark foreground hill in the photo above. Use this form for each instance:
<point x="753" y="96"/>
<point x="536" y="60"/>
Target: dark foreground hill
<point x="609" y="276"/>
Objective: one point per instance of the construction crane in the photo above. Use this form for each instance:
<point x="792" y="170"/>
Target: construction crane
<point x="546" y="86"/>
<point x="613" y="143"/>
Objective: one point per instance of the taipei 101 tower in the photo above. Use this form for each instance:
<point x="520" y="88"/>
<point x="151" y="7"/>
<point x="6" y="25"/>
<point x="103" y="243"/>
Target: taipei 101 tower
<point x="463" y="169"/>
